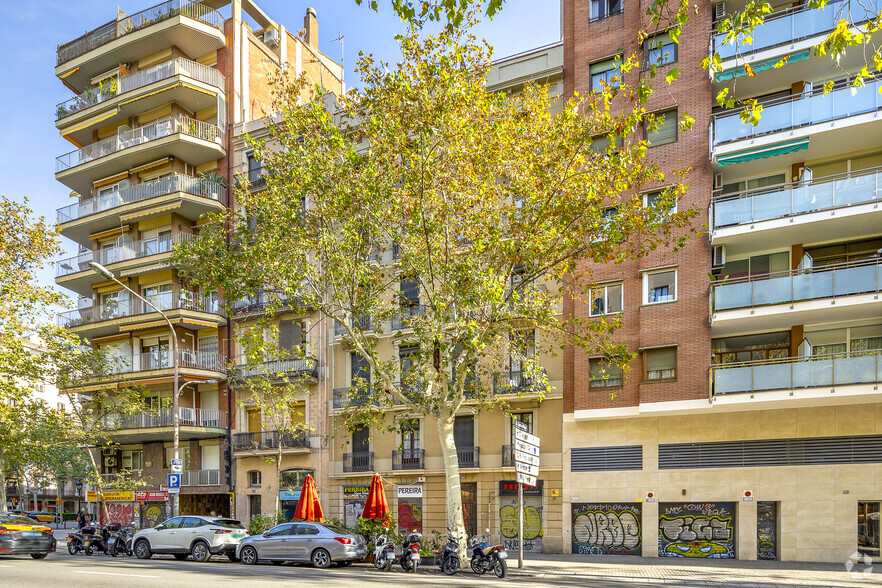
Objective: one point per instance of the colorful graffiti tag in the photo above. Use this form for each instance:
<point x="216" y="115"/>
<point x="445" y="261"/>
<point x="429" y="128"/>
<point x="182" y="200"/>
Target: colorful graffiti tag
<point x="696" y="530"/>
<point x="508" y="520"/>
<point x="607" y="528"/>
<point x="120" y="512"/>
<point x="767" y="530"/>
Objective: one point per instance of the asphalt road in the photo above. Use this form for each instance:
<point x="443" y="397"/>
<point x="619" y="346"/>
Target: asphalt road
<point x="100" y="571"/>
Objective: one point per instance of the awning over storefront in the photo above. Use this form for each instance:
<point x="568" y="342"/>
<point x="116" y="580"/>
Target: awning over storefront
<point x="763" y="152"/>
<point x="740" y="70"/>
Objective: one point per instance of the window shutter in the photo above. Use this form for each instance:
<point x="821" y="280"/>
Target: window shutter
<point x="661" y="359"/>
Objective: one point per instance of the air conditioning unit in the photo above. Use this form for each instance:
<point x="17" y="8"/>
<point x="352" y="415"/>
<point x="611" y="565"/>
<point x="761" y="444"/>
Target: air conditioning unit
<point x="719" y="256"/>
<point x="272" y="38"/>
<point x="110" y="462"/>
<point x="718" y="181"/>
<point x="719" y="11"/>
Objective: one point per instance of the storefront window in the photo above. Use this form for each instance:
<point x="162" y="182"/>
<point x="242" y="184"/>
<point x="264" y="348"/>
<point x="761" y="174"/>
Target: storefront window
<point x="868" y="529"/>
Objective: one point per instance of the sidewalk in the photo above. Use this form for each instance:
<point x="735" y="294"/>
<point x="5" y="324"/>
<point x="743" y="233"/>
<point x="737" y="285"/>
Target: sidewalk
<point x="694" y="572"/>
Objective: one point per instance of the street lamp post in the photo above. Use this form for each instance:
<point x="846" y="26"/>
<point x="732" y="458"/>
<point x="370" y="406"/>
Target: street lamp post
<point x="106" y="273"/>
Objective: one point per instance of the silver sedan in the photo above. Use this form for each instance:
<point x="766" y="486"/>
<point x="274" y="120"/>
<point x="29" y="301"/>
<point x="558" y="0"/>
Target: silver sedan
<point x="303" y="542"/>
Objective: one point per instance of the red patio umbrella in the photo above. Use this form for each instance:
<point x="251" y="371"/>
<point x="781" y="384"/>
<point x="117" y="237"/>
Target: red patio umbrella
<point x="308" y="507"/>
<point x="376" y="506"/>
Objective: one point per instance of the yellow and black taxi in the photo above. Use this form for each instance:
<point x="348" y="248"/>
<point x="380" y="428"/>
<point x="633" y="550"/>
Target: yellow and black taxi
<point x="43" y="517"/>
<point x="21" y="535"/>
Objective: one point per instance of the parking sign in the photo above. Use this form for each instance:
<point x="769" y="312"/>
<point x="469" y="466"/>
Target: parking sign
<point x="174" y="483"/>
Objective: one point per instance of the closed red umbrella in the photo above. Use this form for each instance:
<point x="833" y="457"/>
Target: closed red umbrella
<point x="376" y="506"/>
<point x="308" y="507"/>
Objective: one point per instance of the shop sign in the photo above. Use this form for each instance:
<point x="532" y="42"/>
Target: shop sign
<point x="289" y="495"/>
<point x="510" y="488"/>
<point x="360" y="491"/>
<point x="410" y="491"/>
<point x="110" y="496"/>
<point x="151" y="495"/>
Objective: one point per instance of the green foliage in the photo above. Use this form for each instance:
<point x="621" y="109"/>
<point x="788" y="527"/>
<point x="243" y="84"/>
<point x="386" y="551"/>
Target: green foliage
<point x="262" y="523"/>
<point x="451" y="12"/>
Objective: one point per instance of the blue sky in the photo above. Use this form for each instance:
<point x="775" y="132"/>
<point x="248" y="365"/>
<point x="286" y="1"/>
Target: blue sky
<point x="30" y="30"/>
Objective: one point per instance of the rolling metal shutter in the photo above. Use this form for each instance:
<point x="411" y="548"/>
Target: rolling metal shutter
<point x="599" y="459"/>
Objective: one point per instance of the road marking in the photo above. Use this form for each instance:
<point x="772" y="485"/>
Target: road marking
<point x="112" y="574"/>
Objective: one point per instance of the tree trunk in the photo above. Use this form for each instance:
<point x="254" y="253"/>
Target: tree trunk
<point x="451" y="473"/>
<point x="278" y="480"/>
<point x="100" y="488"/>
<point x="2" y="479"/>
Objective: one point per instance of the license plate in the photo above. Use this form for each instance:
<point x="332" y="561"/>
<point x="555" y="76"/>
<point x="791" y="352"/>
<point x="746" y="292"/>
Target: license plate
<point x="31" y="534"/>
<point x="238" y="535"/>
<point x="86" y="544"/>
<point x="502" y="555"/>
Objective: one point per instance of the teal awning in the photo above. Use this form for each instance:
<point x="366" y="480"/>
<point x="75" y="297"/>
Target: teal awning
<point x="738" y="71"/>
<point x="763" y="152"/>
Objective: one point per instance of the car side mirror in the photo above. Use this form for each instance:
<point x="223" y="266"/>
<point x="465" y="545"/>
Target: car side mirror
<point x="159" y="527"/>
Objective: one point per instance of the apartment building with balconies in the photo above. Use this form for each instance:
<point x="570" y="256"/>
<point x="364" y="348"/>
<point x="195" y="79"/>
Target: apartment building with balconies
<point x="749" y="424"/>
<point x="154" y="94"/>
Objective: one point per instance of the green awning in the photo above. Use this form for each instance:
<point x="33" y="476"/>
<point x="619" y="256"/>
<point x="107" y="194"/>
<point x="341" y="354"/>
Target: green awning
<point x="738" y="71"/>
<point x="763" y="152"/>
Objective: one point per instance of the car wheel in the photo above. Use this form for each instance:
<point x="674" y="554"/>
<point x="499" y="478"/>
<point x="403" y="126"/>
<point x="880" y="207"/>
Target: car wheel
<point x="248" y="555"/>
<point x="39" y="555"/>
<point x="321" y="558"/>
<point x="181" y="556"/>
<point x="142" y="550"/>
<point x="200" y="551"/>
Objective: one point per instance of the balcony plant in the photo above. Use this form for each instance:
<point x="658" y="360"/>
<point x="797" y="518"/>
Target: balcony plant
<point x="209" y="183"/>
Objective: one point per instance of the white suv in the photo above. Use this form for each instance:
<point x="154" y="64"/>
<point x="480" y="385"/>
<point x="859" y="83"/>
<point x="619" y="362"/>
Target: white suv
<point x="198" y="536"/>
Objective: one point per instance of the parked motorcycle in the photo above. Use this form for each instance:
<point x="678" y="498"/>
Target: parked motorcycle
<point x="120" y="540"/>
<point x="448" y="560"/>
<point x="486" y="557"/>
<point x="384" y="554"/>
<point x="75" y="542"/>
<point x="410" y="552"/>
<point x="89" y="540"/>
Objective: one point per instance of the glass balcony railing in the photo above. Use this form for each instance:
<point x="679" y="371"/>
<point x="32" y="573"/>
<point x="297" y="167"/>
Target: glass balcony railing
<point x="129" y="23"/>
<point x="799" y="111"/>
<point x="133" y="250"/>
<point x="139" y="79"/>
<point x="818" y="371"/>
<point x="829" y="281"/>
<point x="786" y="27"/>
<point x="139" y="136"/>
<point x="788" y="200"/>
<point x="145" y="191"/>
<point x="127" y="307"/>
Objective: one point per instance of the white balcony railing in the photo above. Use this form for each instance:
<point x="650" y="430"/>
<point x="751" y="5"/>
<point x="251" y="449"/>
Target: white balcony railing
<point x="189" y="417"/>
<point x="124" y="252"/>
<point x="115" y="309"/>
<point x="139" y="136"/>
<point x="160" y="360"/>
<point x="200" y="478"/>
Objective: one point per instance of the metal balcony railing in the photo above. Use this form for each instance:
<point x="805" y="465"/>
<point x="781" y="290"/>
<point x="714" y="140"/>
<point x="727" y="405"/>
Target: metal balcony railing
<point x="360" y="461"/>
<point x="270" y="440"/>
<point x="190" y="417"/>
<point x="346" y="397"/>
<point x="798" y="111"/>
<point x="139" y="79"/>
<point x="788" y="26"/>
<point x="364" y="323"/>
<point x="307" y="366"/>
<point x="160" y="360"/>
<point x="508" y="456"/>
<point x="789" y="200"/>
<point x="125" y="24"/>
<point x="145" y="191"/>
<point x="469" y="457"/>
<point x="200" y="478"/>
<point x="515" y="383"/>
<point x="401" y="319"/>
<point x="125" y="252"/>
<point x="828" y="281"/>
<point x="139" y="136"/>
<point x="408" y="459"/>
<point x="817" y="371"/>
<point x="259" y="303"/>
<point x="127" y="307"/>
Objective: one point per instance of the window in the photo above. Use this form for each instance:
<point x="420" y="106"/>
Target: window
<point x="133" y="460"/>
<point x="522" y="417"/>
<point x="660" y="286"/>
<point x="601" y="143"/>
<point x="294" y="478"/>
<point x="757" y="265"/>
<point x="606" y="299"/>
<point x="660" y="364"/>
<point x="284" y="529"/>
<point x="254" y="505"/>
<point x="665" y="130"/>
<point x="604" y="375"/>
<point x="160" y="296"/>
<point x="753" y="184"/>
<point x="603" y="8"/>
<point x="658" y="200"/>
<point x="603" y="72"/>
<point x="254" y="478"/>
<point x="255" y="169"/>
<point x="62" y="407"/>
<point x="750" y="348"/>
<point x="659" y="50"/>
<point x="292" y="336"/>
<point x="184" y="452"/>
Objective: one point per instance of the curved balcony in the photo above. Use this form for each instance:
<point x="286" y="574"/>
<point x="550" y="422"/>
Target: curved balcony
<point x="822" y="210"/>
<point x="187" y="139"/>
<point x="75" y="274"/>
<point x="184" y="308"/>
<point x="160" y="364"/>
<point x="847" y="117"/>
<point x="192" y="27"/>
<point x="195" y="423"/>
<point x="197" y="195"/>
<point x="836" y="292"/>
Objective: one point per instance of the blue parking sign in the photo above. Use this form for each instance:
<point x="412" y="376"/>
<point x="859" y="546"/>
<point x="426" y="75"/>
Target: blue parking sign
<point x="174" y="482"/>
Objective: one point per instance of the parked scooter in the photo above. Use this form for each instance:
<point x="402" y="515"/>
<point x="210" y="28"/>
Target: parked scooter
<point x="448" y="560"/>
<point x="75" y="542"/>
<point x="486" y="557"/>
<point x="410" y="552"/>
<point x="120" y="540"/>
<point x="89" y="539"/>
<point x="384" y="554"/>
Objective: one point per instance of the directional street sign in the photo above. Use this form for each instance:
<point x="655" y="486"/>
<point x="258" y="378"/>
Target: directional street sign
<point x="524" y="468"/>
<point x="529" y="458"/>
<point x="174" y="483"/>
<point x="526" y="448"/>
<point x="520" y="425"/>
<point x="525" y="479"/>
<point x="177" y="466"/>
<point x="526" y="437"/>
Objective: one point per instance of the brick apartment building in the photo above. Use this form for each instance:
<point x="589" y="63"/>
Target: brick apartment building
<point x="749" y="424"/>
